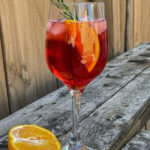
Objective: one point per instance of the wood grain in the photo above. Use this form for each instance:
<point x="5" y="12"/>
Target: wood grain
<point x="139" y="22"/>
<point x="23" y="29"/>
<point x="4" y="109"/>
<point x="114" y="106"/>
<point x="119" y="14"/>
<point x="140" y="142"/>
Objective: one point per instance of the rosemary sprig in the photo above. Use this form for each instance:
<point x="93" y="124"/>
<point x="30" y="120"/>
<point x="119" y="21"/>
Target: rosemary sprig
<point x="64" y="9"/>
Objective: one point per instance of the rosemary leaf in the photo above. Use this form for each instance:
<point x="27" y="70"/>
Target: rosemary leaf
<point x="65" y="16"/>
<point x="64" y="9"/>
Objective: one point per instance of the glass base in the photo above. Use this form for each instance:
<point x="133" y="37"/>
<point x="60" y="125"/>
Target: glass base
<point x="83" y="147"/>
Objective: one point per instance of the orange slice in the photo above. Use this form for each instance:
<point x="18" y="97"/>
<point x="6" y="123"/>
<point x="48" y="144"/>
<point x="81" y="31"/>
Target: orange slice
<point x="85" y="39"/>
<point x="32" y="137"/>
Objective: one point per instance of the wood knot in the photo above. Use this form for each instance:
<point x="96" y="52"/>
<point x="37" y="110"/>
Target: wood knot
<point x="113" y="76"/>
<point x="24" y="75"/>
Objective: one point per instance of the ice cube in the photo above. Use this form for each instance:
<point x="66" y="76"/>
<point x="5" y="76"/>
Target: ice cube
<point x="100" y="26"/>
<point x="57" y="31"/>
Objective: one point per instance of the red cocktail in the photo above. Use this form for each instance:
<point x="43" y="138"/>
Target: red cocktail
<point x="76" y="52"/>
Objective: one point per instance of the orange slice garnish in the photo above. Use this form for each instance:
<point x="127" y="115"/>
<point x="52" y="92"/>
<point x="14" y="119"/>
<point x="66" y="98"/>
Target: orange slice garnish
<point x="32" y="137"/>
<point x="85" y="38"/>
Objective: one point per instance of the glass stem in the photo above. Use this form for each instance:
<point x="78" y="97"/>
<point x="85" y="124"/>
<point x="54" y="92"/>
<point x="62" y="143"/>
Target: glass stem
<point x="75" y="141"/>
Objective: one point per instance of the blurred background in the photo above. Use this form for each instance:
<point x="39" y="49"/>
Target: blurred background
<point x="24" y="76"/>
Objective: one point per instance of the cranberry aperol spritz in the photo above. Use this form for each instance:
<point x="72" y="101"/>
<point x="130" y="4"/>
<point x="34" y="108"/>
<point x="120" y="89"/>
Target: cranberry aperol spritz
<point x="75" y="61"/>
<point x="76" y="52"/>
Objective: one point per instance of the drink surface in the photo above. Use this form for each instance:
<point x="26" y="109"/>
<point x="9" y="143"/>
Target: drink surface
<point x="76" y="52"/>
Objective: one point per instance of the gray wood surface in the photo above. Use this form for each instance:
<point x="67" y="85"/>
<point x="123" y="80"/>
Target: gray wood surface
<point x="114" y="106"/>
<point x="140" y="142"/>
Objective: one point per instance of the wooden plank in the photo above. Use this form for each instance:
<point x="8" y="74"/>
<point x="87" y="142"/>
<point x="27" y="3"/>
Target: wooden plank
<point x="116" y="16"/>
<point x="119" y="18"/>
<point x="116" y="26"/>
<point x="131" y="24"/>
<point x="122" y="25"/>
<point x="139" y="24"/>
<point x="23" y="31"/>
<point x="4" y="109"/>
<point x="145" y="23"/>
<point x="140" y="142"/>
<point x="54" y="110"/>
<point x="127" y="24"/>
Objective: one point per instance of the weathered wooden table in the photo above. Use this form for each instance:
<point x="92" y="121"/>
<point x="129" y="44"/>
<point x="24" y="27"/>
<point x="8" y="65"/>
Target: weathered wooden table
<point x="114" y="107"/>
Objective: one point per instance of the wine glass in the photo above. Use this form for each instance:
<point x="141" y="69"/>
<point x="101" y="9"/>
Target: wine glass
<point x="76" y="51"/>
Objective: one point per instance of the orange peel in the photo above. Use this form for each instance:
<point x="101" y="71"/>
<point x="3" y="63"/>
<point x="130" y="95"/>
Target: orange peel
<point x="85" y="38"/>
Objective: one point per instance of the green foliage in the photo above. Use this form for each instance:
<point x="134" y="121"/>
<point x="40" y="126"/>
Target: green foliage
<point x="64" y="9"/>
